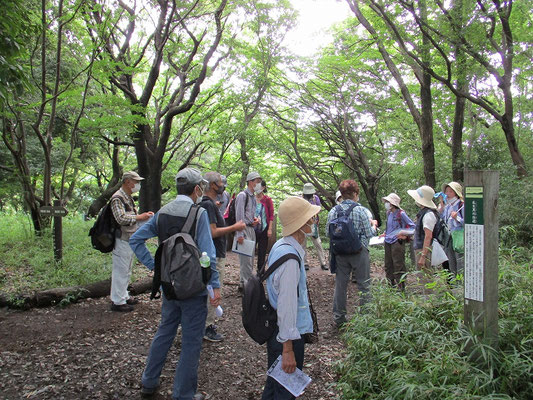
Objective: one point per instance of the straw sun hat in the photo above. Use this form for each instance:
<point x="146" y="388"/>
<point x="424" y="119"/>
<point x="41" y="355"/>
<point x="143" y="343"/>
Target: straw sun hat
<point x="456" y="187"/>
<point x="394" y="199"/>
<point x="294" y="212"/>
<point x="424" y="196"/>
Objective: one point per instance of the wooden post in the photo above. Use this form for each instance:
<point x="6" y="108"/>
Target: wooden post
<point x="58" y="234"/>
<point x="481" y="254"/>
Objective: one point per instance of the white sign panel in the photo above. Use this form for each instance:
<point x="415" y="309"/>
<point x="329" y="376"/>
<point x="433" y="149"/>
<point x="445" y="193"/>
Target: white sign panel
<point x="474" y="262"/>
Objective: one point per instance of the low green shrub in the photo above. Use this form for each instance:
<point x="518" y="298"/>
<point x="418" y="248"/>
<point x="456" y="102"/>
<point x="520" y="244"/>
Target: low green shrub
<point x="413" y="346"/>
<point x="28" y="261"/>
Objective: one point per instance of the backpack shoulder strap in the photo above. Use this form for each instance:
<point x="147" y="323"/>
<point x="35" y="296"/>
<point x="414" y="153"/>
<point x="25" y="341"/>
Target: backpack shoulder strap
<point x="191" y="218"/>
<point x="348" y="211"/>
<point x="272" y="268"/>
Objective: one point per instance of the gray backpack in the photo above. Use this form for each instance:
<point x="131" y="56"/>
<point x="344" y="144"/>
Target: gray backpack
<point x="177" y="265"/>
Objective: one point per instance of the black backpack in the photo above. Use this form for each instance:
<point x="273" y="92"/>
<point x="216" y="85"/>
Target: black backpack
<point x="441" y="232"/>
<point x="177" y="264"/>
<point x="258" y="316"/>
<point x="103" y="233"/>
<point x="343" y="238"/>
<point x="231" y="219"/>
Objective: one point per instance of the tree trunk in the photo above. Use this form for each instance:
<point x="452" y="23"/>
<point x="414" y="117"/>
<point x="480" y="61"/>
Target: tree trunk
<point x="111" y="187"/>
<point x="516" y="155"/>
<point x="457" y="140"/>
<point x="52" y="297"/>
<point x="426" y="131"/>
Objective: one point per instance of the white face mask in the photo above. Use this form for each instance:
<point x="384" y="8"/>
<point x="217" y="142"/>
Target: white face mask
<point x="136" y="188"/>
<point x="198" y="196"/>
<point x="307" y="234"/>
<point x="387" y="206"/>
<point x="258" y="188"/>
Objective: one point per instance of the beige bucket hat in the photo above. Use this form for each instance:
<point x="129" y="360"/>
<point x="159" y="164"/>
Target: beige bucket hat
<point x="456" y="187"/>
<point x="394" y="199"/>
<point x="294" y="212"/>
<point x="424" y="196"/>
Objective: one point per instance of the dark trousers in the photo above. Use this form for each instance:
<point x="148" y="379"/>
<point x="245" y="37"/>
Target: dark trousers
<point x="395" y="263"/>
<point x="262" y="245"/>
<point x="273" y="390"/>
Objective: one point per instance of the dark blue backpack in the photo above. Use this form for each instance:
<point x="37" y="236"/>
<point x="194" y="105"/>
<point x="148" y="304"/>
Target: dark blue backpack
<point x="343" y="238"/>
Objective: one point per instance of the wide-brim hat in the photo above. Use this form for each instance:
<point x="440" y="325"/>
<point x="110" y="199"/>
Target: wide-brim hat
<point x="423" y="196"/>
<point x="456" y="187"/>
<point x="309" y="188"/>
<point x="394" y="199"/>
<point x="294" y="212"/>
<point x="132" y="175"/>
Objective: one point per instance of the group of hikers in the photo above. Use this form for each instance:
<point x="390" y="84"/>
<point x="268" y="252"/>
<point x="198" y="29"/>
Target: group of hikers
<point x="205" y="213"/>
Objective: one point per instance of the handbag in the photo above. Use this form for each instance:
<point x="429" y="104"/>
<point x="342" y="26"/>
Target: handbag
<point x="458" y="240"/>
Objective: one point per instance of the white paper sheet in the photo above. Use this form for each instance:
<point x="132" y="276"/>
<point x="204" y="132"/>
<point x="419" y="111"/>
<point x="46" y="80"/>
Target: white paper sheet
<point x="246" y="248"/>
<point x="376" y="241"/>
<point x="294" y="383"/>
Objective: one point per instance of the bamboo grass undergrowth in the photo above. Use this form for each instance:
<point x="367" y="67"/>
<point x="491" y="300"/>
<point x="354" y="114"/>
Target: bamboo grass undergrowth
<point x="413" y="346"/>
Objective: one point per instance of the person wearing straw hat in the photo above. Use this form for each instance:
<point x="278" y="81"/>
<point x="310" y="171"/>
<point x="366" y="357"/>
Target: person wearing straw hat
<point x="309" y="194"/>
<point x="452" y="213"/>
<point x="397" y="219"/>
<point x="426" y="219"/>
<point x="287" y="293"/>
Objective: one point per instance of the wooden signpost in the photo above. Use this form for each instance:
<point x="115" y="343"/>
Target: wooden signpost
<point x="481" y="254"/>
<point x="58" y="212"/>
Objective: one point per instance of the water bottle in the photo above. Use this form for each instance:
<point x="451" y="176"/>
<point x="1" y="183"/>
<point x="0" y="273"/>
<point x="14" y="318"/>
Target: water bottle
<point x="218" y="310"/>
<point x="205" y="262"/>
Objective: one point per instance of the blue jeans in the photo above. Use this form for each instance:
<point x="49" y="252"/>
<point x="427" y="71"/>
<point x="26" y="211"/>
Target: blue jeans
<point x="191" y="314"/>
<point x="273" y="390"/>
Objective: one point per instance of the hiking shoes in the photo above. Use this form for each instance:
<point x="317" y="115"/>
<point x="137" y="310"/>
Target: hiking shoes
<point x="132" y="301"/>
<point x="121" y="307"/>
<point x="211" y="334"/>
<point x="324" y="267"/>
<point x="147" y="392"/>
<point x="306" y="267"/>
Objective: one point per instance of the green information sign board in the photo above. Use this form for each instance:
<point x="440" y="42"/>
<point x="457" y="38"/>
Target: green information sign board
<point x="474" y="205"/>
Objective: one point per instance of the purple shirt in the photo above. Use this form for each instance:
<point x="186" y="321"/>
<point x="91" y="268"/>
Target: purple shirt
<point x="396" y="221"/>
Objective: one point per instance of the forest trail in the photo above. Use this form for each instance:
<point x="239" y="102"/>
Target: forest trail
<point x="85" y="351"/>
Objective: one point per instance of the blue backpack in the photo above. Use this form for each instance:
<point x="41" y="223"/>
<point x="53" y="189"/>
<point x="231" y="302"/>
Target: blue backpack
<point x="343" y="238"/>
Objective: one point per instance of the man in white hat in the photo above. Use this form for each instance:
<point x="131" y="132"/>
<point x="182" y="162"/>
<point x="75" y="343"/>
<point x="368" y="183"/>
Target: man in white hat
<point x="125" y="213"/>
<point x="452" y="212"/>
<point x="397" y="220"/>
<point x="309" y="194"/>
<point x="426" y="219"/>
<point x="245" y="205"/>
<point x="190" y="313"/>
<point x="287" y="293"/>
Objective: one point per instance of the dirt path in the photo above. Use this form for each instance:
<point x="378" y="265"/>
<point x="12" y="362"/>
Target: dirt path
<point x="85" y="351"/>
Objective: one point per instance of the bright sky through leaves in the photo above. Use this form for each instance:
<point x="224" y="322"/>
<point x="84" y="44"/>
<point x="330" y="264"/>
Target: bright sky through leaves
<point x="315" y="17"/>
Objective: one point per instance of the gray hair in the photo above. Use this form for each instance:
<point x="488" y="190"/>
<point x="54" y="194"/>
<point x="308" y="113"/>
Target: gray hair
<point x="212" y="177"/>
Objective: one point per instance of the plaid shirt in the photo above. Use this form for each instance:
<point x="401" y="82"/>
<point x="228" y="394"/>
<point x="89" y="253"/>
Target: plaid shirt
<point x="360" y="220"/>
<point x="122" y="216"/>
